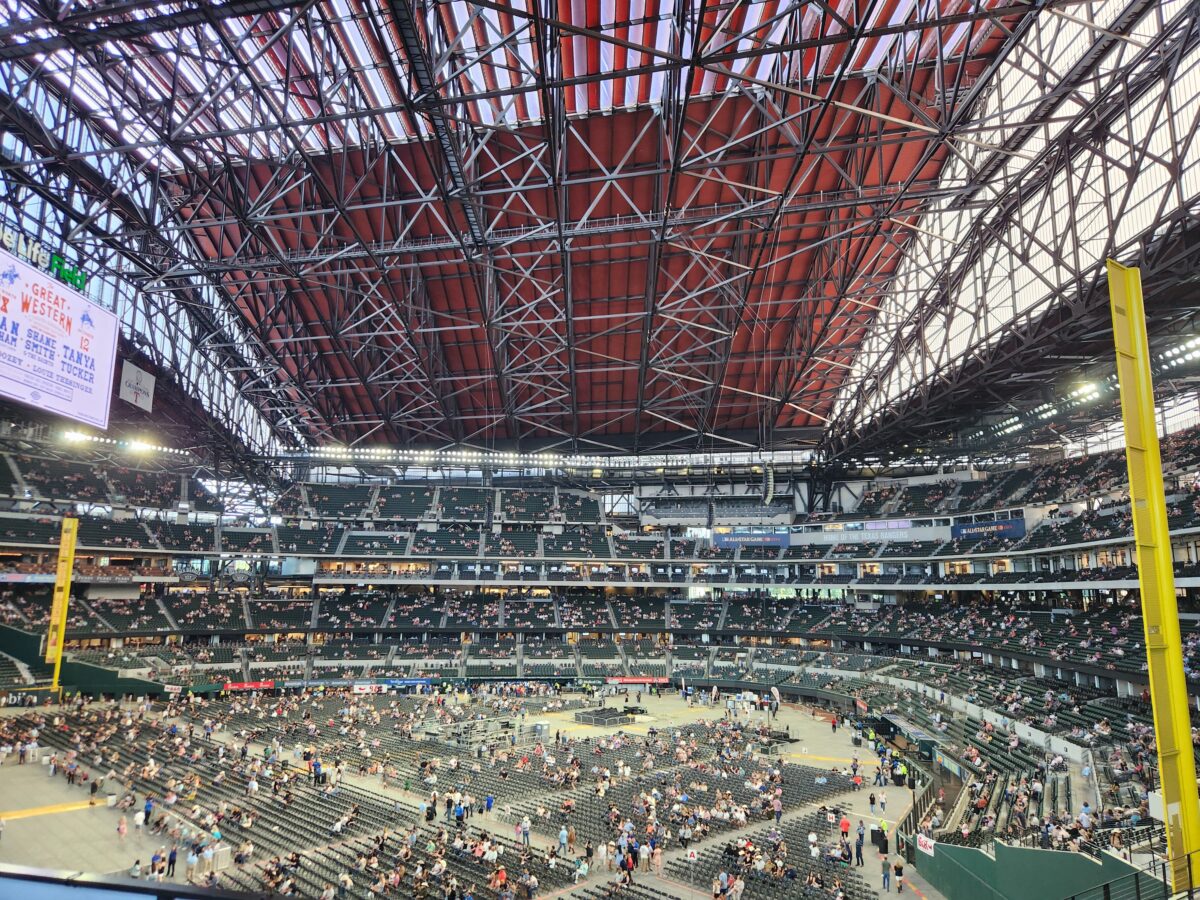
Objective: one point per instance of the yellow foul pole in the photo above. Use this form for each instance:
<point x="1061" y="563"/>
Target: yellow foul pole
<point x="62" y="597"/>
<point x="1156" y="577"/>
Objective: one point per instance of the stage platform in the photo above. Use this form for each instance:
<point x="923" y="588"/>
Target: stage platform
<point x="604" y="717"/>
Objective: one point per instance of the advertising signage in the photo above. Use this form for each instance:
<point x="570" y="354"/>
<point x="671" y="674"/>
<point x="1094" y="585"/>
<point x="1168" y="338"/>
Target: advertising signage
<point x="1006" y="528"/>
<point x="735" y="538"/>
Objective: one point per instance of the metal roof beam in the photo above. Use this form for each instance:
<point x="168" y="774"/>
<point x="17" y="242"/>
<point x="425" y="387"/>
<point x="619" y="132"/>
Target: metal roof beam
<point x="1145" y="69"/>
<point x="420" y="71"/>
<point x="83" y="26"/>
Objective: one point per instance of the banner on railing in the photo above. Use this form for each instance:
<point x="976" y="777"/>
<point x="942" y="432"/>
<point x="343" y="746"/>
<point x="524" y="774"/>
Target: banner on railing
<point x="633" y="680"/>
<point x="925" y="845"/>
<point x="248" y="685"/>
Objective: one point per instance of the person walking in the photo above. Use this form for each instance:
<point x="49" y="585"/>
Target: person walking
<point x="122" y="828"/>
<point x="171" y="857"/>
<point x="887" y="875"/>
<point x="871" y="802"/>
<point x="898" y="871"/>
<point x="883" y="801"/>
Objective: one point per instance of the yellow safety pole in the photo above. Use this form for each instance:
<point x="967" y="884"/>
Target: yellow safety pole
<point x="55" y="636"/>
<point x="1156" y="577"/>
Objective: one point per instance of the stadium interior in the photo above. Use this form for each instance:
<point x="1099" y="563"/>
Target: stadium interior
<point x="710" y="417"/>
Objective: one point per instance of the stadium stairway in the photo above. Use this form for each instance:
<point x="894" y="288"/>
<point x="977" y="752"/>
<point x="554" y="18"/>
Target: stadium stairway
<point x="18" y="478"/>
<point x="623" y="657"/>
<point x="166" y="614"/>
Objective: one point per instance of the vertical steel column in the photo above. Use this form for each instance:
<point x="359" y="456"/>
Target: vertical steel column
<point x="1160" y="612"/>
<point x="56" y="634"/>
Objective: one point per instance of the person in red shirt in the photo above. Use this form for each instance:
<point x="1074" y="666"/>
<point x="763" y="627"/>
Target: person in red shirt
<point x="845" y="823"/>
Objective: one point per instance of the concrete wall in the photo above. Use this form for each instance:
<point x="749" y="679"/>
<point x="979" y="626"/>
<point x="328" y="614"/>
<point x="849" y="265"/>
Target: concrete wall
<point x="1021" y="873"/>
<point x="75" y="676"/>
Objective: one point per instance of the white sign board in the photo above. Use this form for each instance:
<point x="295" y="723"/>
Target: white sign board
<point x="924" y="844"/>
<point x="57" y="348"/>
<point x="137" y="386"/>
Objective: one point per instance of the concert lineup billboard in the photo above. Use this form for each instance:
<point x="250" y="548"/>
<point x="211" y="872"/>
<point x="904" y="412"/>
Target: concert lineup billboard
<point x="57" y="348"/>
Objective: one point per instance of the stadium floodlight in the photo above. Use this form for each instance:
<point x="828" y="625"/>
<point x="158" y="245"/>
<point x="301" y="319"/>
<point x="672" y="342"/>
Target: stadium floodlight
<point x="132" y="446"/>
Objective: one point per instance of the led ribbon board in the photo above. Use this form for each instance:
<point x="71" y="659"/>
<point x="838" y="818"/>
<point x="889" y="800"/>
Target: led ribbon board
<point x="57" y="348"/>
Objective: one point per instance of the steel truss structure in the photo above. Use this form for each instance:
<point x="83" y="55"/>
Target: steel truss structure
<point x="609" y="227"/>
